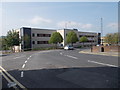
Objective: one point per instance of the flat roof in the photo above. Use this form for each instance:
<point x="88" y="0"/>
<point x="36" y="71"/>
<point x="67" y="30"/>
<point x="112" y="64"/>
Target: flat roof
<point x="60" y="29"/>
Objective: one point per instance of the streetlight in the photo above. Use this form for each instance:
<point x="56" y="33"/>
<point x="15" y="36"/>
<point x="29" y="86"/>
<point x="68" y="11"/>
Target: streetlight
<point x="101" y="30"/>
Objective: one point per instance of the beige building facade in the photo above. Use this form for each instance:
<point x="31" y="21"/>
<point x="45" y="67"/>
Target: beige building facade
<point x="38" y="38"/>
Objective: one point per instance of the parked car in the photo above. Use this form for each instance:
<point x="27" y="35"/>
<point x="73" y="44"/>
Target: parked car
<point x="98" y="45"/>
<point x="68" y="47"/>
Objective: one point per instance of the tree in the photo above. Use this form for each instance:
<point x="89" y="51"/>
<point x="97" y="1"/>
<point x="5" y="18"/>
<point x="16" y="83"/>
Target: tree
<point x="3" y="44"/>
<point x="83" y="39"/>
<point x="56" y="38"/>
<point x="12" y="38"/>
<point x="71" y="38"/>
<point x="116" y="38"/>
<point x="109" y="38"/>
<point x="112" y="38"/>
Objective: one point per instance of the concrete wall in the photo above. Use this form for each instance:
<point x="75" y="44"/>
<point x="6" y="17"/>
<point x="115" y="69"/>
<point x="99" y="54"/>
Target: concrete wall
<point x="35" y="38"/>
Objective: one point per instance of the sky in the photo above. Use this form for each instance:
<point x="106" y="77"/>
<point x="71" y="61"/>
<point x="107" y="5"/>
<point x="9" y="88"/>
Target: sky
<point x="84" y="16"/>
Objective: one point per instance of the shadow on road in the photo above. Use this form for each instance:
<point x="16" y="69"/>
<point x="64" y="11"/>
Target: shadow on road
<point x="87" y="77"/>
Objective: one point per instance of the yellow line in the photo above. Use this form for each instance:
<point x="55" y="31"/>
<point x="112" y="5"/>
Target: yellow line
<point x="5" y="77"/>
<point x="8" y="80"/>
<point x="21" y="86"/>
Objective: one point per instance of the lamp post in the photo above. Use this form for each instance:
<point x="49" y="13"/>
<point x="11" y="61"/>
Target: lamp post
<point x="91" y="46"/>
<point x="101" y="30"/>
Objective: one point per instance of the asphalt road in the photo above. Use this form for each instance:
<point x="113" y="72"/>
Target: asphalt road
<point x="62" y="69"/>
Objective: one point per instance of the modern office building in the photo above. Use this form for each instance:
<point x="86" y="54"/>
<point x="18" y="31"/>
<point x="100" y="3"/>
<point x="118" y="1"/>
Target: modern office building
<point x="36" y="38"/>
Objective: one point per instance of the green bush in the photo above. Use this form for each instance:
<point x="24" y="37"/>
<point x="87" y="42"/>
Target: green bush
<point x="79" y="47"/>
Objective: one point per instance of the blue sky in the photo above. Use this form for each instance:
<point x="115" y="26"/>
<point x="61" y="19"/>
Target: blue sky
<point x="84" y="16"/>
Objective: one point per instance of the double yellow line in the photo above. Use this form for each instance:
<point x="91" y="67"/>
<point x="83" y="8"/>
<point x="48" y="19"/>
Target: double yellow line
<point x="3" y="72"/>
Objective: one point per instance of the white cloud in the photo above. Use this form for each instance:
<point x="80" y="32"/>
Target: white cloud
<point x="86" y="26"/>
<point x="72" y="24"/>
<point x="37" y="20"/>
<point x="113" y="25"/>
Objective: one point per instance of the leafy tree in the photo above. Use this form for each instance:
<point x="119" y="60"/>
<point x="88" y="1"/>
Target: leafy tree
<point x="56" y="38"/>
<point x="83" y="39"/>
<point x="3" y="45"/>
<point x="71" y="38"/>
<point x="12" y="38"/>
<point x="112" y="38"/>
<point x="109" y="38"/>
<point x="116" y="38"/>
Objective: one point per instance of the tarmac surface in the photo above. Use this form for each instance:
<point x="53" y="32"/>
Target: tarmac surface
<point x="60" y="69"/>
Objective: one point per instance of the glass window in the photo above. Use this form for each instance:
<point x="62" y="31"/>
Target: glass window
<point x="33" y="42"/>
<point x="33" y="35"/>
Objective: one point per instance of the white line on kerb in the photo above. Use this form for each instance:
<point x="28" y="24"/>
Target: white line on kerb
<point x="23" y="66"/>
<point x="102" y="63"/>
<point x="26" y="61"/>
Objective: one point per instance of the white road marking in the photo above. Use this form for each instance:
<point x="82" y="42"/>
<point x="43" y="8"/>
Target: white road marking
<point x="23" y="66"/>
<point x="18" y="57"/>
<point x="61" y="53"/>
<point x="71" y="56"/>
<point x="102" y="63"/>
<point x="22" y="74"/>
<point x="28" y="58"/>
<point x="26" y="61"/>
<point x="44" y="51"/>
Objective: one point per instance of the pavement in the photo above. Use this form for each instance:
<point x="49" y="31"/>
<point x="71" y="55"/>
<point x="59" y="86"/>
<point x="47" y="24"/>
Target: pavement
<point x="60" y="69"/>
<point x="88" y="51"/>
<point x="4" y="53"/>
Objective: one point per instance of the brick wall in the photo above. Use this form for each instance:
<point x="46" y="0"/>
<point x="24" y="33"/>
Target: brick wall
<point x="106" y="48"/>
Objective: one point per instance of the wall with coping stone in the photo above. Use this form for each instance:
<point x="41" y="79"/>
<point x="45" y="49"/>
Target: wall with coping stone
<point x="106" y="48"/>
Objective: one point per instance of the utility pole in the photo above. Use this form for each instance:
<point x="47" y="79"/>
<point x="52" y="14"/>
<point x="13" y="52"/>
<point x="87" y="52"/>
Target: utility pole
<point x="101" y="30"/>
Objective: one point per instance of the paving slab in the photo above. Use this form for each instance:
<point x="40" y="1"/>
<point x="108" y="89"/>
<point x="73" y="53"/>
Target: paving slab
<point x="100" y="53"/>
